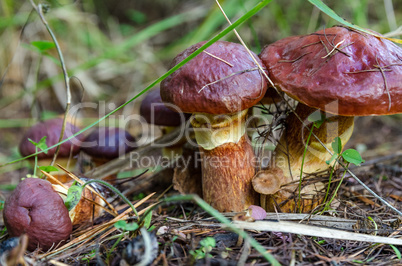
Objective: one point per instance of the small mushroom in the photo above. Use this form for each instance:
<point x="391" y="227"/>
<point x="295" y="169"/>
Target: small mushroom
<point x="339" y="72"/>
<point x="256" y="212"/>
<point x="268" y="182"/>
<point x="35" y="209"/>
<point x="155" y="112"/>
<point x="217" y="87"/>
<point x="52" y="129"/>
<point x="107" y="143"/>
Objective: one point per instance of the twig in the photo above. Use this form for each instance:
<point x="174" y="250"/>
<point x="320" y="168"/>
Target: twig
<point x="245" y="46"/>
<point x="382" y="69"/>
<point x="93" y="232"/>
<point x="295" y="228"/>
<point x="241" y="261"/>
<point x="220" y="59"/>
<point x="228" y="76"/>
<point x="333" y="49"/>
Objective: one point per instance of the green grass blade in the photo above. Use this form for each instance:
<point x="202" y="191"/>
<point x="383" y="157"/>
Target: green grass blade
<point x="397" y="252"/>
<point x="324" y="8"/>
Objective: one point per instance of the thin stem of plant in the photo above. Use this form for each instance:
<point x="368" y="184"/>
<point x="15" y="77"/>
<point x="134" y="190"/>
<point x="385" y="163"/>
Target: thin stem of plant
<point x="114" y="246"/>
<point x="336" y="190"/>
<point x="39" y="10"/>
<point x="329" y="185"/>
<point x="301" y="168"/>
<point x="36" y="161"/>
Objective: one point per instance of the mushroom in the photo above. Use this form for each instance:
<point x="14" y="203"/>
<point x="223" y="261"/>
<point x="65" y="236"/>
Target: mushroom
<point x="217" y="87"/>
<point x="185" y="176"/>
<point x="35" y="209"/>
<point x="155" y="112"/>
<point x="106" y="143"/>
<point x="339" y="72"/>
<point x="52" y="129"/>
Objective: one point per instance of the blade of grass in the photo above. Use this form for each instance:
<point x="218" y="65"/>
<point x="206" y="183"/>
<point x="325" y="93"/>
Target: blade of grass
<point x="224" y="32"/>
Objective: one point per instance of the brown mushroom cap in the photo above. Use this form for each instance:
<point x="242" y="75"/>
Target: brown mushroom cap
<point x="35" y="209"/>
<point x="268" y="181"/>
<point x="108" y="142"/>
<point x="154" y="111"/>
<point x="51" y="129"/>
<point x="221" y="80"/>
<point x="347" y="81"/>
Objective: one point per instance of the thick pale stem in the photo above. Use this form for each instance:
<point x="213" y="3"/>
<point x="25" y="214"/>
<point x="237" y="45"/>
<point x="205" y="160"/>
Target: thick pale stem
<point x="227" y="161"/>
<point x="287" y="160"/>
<point x="290" y="149"/>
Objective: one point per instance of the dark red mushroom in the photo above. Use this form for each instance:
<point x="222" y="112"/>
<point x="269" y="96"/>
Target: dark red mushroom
<point x="339" y="72"/>
<point x="218" y="86"/>
<point x="51" y="129"/>
<point x="107" y="143"/>
<point x="155" y="112"/>
<point x="35" y="209"/>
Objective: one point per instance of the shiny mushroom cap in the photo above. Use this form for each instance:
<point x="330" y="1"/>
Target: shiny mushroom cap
<point x="268" y="182"/>
<point x="154" y="111"/>
<point x="223" y="79"/>
<point x="338" y="70"/>
<point x="35" y="209"/>
<point x="51" y="129"/>
<point x="108" y="142"/>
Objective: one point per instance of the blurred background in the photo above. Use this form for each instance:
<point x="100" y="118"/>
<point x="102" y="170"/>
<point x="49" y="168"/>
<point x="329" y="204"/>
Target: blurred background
<point x="115" y="49"/>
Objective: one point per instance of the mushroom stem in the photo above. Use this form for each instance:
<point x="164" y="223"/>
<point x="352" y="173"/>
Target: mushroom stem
<point x="227" y="161"/>
<point x="287" y="161"/>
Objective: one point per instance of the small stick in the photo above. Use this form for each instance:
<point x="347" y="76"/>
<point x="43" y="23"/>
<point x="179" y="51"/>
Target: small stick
<point x="245" y="46"/>
<point x="333" y="49"/>
<point x="228" y="76"/>
<point x="220" y="59"/>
